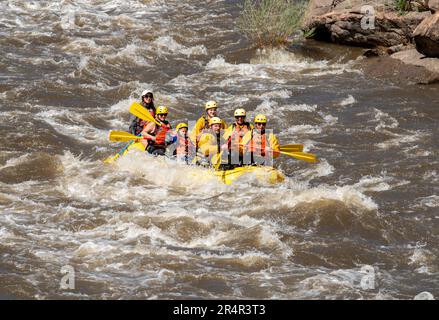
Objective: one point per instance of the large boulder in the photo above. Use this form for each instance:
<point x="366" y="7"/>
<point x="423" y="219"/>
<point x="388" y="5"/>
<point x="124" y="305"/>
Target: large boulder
<point x="414" y="58"/>
<point x="426" y="36"/>
<point x="341" y="22"/>
<point x="433" y="5"/>
<point x="404" y="67"/>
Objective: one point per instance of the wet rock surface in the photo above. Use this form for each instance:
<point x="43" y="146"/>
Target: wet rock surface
<point x="426" y="36"/>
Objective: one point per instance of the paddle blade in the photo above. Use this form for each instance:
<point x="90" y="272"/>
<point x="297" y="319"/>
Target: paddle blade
<point x="308" y="157"/>
<point x="121" y="136"/>
<point x="292" y="148"/>
<point x="141" y="112"/>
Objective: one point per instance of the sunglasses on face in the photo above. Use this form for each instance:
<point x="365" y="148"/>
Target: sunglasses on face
<point x="163" y="114"/>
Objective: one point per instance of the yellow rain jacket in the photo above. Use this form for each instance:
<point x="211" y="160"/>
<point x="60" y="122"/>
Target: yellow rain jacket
<point x="201" y="124"/>
<point x="208" y="144"/>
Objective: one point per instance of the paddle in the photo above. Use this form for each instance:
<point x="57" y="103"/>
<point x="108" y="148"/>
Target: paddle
<point x="121" y="136"/>
<point x="308" y="157"/>
<point x="141" y="112"/>
<point x="132" y="139"/>
<point x="216" y="160"/>
<point x="292" y="148"/>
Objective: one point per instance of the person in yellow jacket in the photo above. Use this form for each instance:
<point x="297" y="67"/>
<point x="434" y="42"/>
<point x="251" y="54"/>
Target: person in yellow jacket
<point x="210" y="143"/>
<point x="233" y="136"/>
<point x="203" y="122"/>
<point x="260" y="148"/>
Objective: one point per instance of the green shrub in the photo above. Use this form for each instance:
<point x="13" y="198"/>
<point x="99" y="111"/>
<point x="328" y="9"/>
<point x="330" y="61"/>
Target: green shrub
<point x="270" y="22"/>
<point x="402" y="6"/>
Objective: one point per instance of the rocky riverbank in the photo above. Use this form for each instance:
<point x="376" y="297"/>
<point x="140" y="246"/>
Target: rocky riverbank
<point x="402" y="44"/>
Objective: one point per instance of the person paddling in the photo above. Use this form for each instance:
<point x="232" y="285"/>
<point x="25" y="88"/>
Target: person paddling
<point x="155" y="135"/>
<point x="137" y="124"/>
<point x="260" y="148"/>
<point x="203" y="122"/>
<point x="233" y="136"/>
<point x="210" y="142"/>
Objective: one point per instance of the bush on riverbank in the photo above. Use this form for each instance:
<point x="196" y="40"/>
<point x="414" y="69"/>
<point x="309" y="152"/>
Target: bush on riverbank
<point x="271" y="22"/>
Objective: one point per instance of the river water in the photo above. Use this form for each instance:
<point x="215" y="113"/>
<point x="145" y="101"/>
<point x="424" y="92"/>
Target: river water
<point x="360" y="224"/>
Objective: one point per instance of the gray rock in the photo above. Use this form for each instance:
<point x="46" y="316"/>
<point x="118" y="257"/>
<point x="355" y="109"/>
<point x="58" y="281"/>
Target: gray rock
<point x="341" y="22"/>
<point x="413" y="57"/>
<point x="395" y="49"/>
<point x="426" y="36"/>
<point x="433" y="5"/>
<point x="401" y="68"/>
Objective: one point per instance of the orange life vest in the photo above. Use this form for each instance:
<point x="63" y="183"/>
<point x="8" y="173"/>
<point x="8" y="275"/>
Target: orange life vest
<point x="258" y="143"/>
<point x="160" y="135"/>
<point x="238" y="133"/>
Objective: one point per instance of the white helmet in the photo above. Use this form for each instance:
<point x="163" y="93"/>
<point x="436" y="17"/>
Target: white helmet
<point x="144" y="92"/>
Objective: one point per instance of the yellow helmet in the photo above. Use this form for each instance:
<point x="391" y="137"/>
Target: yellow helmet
<point x="210" y="104"/>
<point x="215" y="120"/>
<point x="162" y="110"/>
<point x="182" y="125"/>
<point x="260" y="118"/>
<point x="239" y="113"/>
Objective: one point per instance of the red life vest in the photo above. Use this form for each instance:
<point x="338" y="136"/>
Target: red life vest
<point x="160" y="135"/>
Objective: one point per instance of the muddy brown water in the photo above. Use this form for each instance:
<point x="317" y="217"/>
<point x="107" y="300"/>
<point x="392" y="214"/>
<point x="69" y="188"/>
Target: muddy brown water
<point x="149" y="228"/>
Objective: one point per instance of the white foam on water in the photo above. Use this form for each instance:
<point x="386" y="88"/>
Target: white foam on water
<point x="273" y="109"/>
<point x="379" y="183"/>
<point x="85" y="46"/>
<point x="92" y="248"/>
<point x="385" y="121"/>
<point x="5" y="234"/>
<point x="77" y="128"/>
<point x="432" y="176"/>
<point x="430" y="201"/>
<point x="425" y="295"/>
<point x="167" y="44"/>
<point x="281" y="94"/>
<point x="330" y="120"/>
<point x="424" y="260"/>
<point x="335" y="69"/>
<point x="83" y="63"/>
<point x="220" y="66"/>
<point x="400" y="139"/>
<point x="131" y="52"/>
<point x="272" y="60"/>
<point x="321" y="169"/>
<point x="326" y="284"/>
<point x="304" y="129"/>
<point x="346" y="194"/>
<point x="350" y="100"/>
<point x="279" y="59"/>
<point x="15" y="161"/>
<point x="301" y="107"/>
<point x="189" y="178"/>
